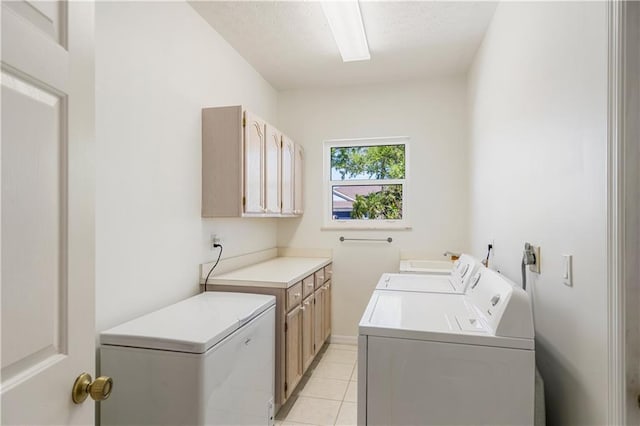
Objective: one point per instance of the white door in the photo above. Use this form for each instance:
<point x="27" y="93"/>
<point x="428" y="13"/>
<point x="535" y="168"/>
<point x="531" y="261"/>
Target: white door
<point x="47" y="210"/>
<point x="254" y="141"/>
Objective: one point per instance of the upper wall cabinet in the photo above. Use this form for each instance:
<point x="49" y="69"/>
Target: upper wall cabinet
<point x="288" y="159"/>
<point x="292" y="163"/>
<point x="254" y="164"/>
<point x="272" y="150"/>
<point x="298" y="207"/>
<point x="248" y="166"/>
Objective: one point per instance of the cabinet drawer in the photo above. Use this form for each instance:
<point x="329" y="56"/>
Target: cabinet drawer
<point x="307" y="286"/>
<point x="294" y="296"/>
<point x="328" y="272"/>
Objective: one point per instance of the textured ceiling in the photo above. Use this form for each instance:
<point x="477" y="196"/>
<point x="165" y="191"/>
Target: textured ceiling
<point x="291" y="45"/>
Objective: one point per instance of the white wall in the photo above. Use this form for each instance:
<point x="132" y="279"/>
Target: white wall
<point x="434" y="115"/>
<point x="538" y="97"/>
<point x="157" y="65"/>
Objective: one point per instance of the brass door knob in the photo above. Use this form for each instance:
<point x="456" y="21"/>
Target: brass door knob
<point x="99" y="389"/>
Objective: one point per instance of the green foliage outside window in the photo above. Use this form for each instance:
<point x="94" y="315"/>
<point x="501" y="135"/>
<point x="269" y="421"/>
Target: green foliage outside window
<point x="385" y="204"/>
<point x="372" y="162"/>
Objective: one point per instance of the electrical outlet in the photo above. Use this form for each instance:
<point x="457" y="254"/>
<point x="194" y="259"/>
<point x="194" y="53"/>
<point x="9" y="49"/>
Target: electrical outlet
<point x="215" y="239"/>
<point x="536" y="266"/>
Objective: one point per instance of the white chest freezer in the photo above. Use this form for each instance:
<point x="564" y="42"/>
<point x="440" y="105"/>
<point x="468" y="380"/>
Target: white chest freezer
<point x="208" y="360"/>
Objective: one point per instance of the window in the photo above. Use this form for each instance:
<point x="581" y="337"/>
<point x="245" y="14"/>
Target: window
<point x="366" y="183"/>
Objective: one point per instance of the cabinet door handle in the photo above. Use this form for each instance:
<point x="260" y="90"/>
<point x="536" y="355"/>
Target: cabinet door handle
<point x="309" y="284"/>
<point x="296" y="295"/>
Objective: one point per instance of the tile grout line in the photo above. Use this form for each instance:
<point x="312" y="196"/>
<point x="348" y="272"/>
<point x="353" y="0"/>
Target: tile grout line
<point x="338" y="413"/>
<point x="348" y="381"/>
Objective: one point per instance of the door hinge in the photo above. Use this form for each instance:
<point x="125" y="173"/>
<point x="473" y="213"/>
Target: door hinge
<point x="286" y="327"/>
<point x="244" y="121"/>
<point x="286" y="387"/>
<point x="244" y="201"/>
<point x="281" y="204"/>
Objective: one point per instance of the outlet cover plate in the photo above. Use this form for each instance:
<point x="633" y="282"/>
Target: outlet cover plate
<point x="536" y="267"/>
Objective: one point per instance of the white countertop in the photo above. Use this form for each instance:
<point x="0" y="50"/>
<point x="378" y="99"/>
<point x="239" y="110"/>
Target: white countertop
<point x="279" y="272"/>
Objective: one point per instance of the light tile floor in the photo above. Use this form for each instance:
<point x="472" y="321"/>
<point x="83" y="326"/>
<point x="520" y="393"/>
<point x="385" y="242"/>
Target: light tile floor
<point x="327" y="394"/>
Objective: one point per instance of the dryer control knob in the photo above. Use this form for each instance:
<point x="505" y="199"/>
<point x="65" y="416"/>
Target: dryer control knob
<point x="495" y="299"/>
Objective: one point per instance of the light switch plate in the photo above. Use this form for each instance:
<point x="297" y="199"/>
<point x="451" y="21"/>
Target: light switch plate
<point x="536" y="267"/>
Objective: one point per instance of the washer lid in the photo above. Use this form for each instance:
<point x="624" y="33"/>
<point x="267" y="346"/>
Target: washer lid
<point x="193" y="325"/>
<point x="416" y="282"/>
<point x="437" y="317"/>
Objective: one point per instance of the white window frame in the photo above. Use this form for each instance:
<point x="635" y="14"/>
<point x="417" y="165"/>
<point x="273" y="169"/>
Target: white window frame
<point x="355" y="224"/>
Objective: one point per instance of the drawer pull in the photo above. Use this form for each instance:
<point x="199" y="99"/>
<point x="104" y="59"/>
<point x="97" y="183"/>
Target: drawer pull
<point x="296" y="295"/>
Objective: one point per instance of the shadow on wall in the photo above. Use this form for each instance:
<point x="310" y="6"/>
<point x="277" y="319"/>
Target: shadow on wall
<point x="559" y="378"/>
<point x="357" y="266"/>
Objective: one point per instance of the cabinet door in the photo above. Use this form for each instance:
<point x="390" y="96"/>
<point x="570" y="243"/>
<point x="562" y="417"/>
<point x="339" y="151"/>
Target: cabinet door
<point x="254" y="143"/>
<point x="293" y="350"/>
<point x="318" y="329"/>
<point x="326" y="317"/>
<point x="288" y="160"/>
<point x="272" y="169"/>
<point x="308" y="319"/>
<point x="298" y="207"/>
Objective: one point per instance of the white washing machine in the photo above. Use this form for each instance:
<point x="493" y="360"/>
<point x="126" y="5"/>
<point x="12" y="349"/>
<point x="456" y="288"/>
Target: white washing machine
<point x="456" y="282"/>
<point x="448" y="359"/>
<point x="208" y="360"/>
<point x="423" y="266"/>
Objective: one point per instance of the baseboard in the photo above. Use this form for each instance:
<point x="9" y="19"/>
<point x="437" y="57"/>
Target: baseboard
<point x="344" y="340"/>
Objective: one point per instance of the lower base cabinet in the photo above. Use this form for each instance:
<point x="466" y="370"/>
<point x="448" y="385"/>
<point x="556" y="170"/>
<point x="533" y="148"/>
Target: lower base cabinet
<point x="326" y="317"/>
<point x="308" y="321"/>
<point x="322" y="315"/>
<point x="318" y="314"/>
<point x="293" y="347"/>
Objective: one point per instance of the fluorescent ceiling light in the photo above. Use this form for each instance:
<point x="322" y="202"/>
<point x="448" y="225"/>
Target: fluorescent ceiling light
<point x="346" y="25"/>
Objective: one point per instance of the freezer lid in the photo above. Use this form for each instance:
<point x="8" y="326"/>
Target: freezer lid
<point x="416" y="282"/>
<point x="193" y="325"/>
